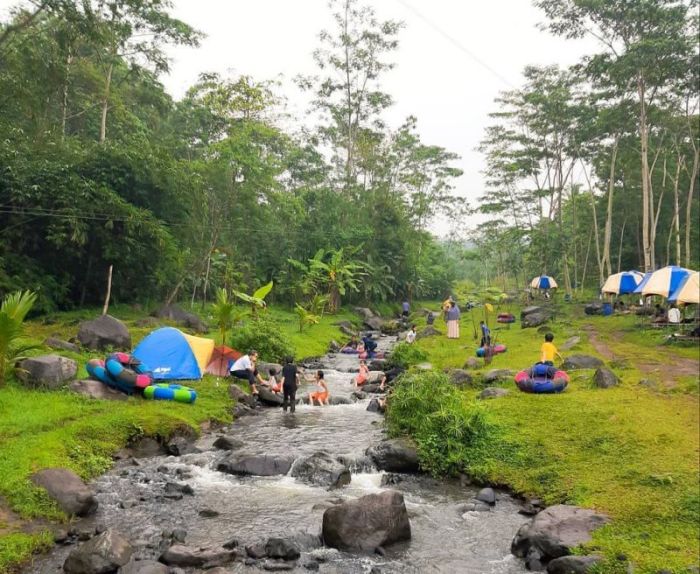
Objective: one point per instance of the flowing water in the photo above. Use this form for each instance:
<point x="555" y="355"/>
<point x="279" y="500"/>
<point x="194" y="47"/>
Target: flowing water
<point x="252" y="509"/>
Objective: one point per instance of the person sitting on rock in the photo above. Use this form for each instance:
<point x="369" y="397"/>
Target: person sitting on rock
<point x="244" y="368"/>
<point x="361" y="377"/>
<point x="273" y="383"/>
<point x="549" y="351"/>
<point x="370" y="345"/>
<point x="322" y="395"/>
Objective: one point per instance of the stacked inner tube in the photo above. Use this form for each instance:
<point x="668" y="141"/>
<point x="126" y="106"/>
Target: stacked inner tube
<point x="541" y="378"/>
<point x="120" y="371"/>
<point x="493" y="350"/>
<point x="505" y="318"/>
<point x="170" y="392"/>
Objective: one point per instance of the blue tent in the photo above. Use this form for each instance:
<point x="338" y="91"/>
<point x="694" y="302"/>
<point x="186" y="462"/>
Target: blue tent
<point x="174" y="355"/>
<point x="643" y="282"/>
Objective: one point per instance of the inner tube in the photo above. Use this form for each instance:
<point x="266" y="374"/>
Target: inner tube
<point x="542" y="380"/>
<point x="349" y="351"/>
<point x="495" y="350"/>
<point x="505" y="318"/>
<point x="170" y="392"/>
<point x="120" y="371"/>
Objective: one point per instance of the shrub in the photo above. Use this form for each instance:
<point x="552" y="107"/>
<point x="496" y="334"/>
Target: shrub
<point x="263" y="335"/>
<point x="405" y="356"/>
<point x="451" y="433"/>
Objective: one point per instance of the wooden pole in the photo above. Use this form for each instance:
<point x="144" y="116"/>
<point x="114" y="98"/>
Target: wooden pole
<point x="109" y="291"/>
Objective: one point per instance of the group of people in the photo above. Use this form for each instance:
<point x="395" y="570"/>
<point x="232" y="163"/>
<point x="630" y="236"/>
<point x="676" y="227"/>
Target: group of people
<point x="286" y="382"/>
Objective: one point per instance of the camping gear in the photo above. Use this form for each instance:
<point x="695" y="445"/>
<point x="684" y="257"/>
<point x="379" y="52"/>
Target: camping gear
<point x="607" y="309"/>
<point x="349" y="351"/>
<point x="665" y="281"/>
<point x="505" y="318"/>
<point x="170" y="392"/>
<point x="643" y="283"/>
<point x="120" y="371"/>
<point x="173" y="355"/>
<point x="222" y="358"/>
<point x="542" y="379"/>
<point x="687" y="292"/>
<point x="622" y="283"/>
<point x="493" y="350"/>
<point x="543" y="282"/>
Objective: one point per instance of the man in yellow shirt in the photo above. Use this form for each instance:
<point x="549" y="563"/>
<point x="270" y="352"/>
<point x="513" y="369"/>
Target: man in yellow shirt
<point x="549" y="351"/>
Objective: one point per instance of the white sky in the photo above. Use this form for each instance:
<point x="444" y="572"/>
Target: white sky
<point x="449" y="92"/>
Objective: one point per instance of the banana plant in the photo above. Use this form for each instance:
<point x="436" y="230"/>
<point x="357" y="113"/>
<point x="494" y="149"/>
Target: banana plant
<point x="257" y="299"/>
<point x="337" y="274"/>
<point x="306" y="317"/>
<point x="13" y="347"/>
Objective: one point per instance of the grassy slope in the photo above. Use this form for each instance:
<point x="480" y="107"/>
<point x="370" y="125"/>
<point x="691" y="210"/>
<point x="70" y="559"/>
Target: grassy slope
<point x="628" y="451"/>
<point x="46" y="429"/>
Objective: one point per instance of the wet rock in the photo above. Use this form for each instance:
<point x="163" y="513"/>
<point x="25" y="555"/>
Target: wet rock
<point x="395" y="455"/>
<point x="321" y="469"/>
<point x="371" y="388"/>
<point x="281" y="548"/>
<point x="336" y="400"/>
<point x="391" y="327"/>
<point x="374" y="323"/>
<point x="208" y="513"/>
<point x="364" y="312"/>
<point x="278" y="565"/>
<point x="144" y="567"/>
<point x="493" y="393"/>
<point x="533" y="560"/>
<point x="179" y="445"/>
<point x="555" y="531"/>
<point x="374" y="377"/>
<point x="471" y="363"/>
<point x="68" y="490"/>
<point x="46" y="371"/>
<point x="185" y="556"/>
<point x="460" y="377"/>
<point x="268" y="398"/>
<point x="391" y="478"/>
<point x="572" y="564"/>
<point x="256" y="551"/>
<point x="604" y="378"/>
<point x="358" y="395"/>
<point x="182" y="318"/>
<point x="255" y="465"/>
<point x="105" y="332"/>
<point x="240" y="396"/>
<point x="96" y="390"/>
<point x="54" y="343"/>
<point x="570" y="343"/>
<point x="231" y="544"/>
<point x="377" y="365"/>
<point x="175" y="490"/>
<point x="366" y="523"/>
<point x="101" y="555"/>
<point x="473" y="506"/>
<point x="429" y="331"/>
<point x="375" y="406"/>
<point x="574" y="362"/>
<point x="487" y="495"/>
<point x="495" y="375"/>
<point x="333" y="346"/>
<point x="146" y="447"/>
<point x="240" y="410"/>
<point x="225" y="442"/>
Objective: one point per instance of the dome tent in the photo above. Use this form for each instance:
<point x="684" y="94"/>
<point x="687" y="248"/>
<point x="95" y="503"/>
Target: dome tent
<point x="174" y="355"/>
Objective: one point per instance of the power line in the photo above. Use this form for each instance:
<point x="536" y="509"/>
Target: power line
<point x="455" y="42"/>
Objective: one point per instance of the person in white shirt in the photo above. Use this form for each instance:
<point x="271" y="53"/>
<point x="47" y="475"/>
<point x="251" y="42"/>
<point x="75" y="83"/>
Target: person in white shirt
<point x="244" y="368"/>
<point x="411" y="335"/>
<point x="674" y="315"/>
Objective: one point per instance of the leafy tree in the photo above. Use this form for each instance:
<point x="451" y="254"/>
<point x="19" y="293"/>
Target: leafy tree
<point x="257" y="299"/>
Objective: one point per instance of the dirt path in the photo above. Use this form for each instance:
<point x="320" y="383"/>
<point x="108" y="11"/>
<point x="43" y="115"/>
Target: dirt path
<point x="673" y="367"/>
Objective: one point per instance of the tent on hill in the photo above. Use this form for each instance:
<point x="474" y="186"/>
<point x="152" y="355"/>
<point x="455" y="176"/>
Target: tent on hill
<point x="221" y="360"/>
<point x="170" y="354"/>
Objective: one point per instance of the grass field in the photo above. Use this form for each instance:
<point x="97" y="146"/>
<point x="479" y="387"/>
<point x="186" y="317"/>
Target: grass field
<point x="630" y="451"/>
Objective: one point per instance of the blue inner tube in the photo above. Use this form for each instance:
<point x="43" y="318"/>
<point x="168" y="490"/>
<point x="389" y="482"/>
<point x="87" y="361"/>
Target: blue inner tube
<point x="542" y="385"/>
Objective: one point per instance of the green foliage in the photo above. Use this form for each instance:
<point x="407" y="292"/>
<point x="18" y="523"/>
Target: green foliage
<point x="223" y="311"/>
<point x="257" y="299"/>
<point x="13" y="311"/>
<point x="265" y="336"/>
<point x="406" y="355"/>
<point x="448" y="429"/>
<point x="306" y="317"/>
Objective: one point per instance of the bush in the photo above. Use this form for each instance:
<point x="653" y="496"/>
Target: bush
<point x="265" y="336"/>
<point x="405" y="356"/>
<point x="451" y="433"/>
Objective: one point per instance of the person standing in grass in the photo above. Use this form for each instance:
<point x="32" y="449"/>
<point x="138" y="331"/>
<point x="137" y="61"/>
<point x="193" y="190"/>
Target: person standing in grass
<point x="405" y="309"/>
<point x="485" y="334"/>
<point x="453" y="315"/>
<point x="290" y="384"/>
<point x="549" y="351"/>
<point x="411" y="335"/>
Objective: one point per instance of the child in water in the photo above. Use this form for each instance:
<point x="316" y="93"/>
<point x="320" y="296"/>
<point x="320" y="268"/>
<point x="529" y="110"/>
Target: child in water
<point x="275" y="385"/>
<point x="361" y="377"/>
<point x="549" y="351"/>
<point x="322" y="395"/>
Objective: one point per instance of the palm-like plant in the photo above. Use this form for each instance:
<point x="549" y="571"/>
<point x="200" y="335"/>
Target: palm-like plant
<point x="306" y="317"/>
<point x="378" y="281"/>
<point x="13" y="311"/>
<point x="257" y="299"/>
<point x="337" y="274"/>
<point x="223" y="311"/>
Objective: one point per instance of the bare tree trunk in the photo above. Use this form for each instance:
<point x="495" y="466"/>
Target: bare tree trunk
<point x="646" y="208"/>
<point x="676" y="211"/>
<point x="105" y="308"/>
<point x="608" y="217"/>
<point x="689" y="206"/>
<point x="619" y="251"/>
<point x="64" y="106"/>
<point x="595" y="223"/>
<point x="105" y="103"/>
<point x="585" y="261"/>
<point x="348" y="95"/>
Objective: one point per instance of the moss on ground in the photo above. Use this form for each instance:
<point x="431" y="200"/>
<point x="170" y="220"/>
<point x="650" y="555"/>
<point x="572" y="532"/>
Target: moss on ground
<point x="630" y="451"/>
<point x="41" y="429"/>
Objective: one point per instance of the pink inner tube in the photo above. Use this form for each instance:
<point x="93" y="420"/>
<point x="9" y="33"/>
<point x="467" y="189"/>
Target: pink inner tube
<point x="524" y="375"/>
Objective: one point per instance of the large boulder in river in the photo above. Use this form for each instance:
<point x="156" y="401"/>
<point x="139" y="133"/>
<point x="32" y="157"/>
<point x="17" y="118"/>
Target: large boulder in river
<point x="573" y="564"/>
<point x="268" y="398"/>
<point x="395" y="455"/>
<point x="555" y="531"/>
<point x="374" y="323"/>
<point x="240" y="396"/>
<point x="574" y="362"/>
<point x="255" y="465"/>
<point x="96" y="390"/>
<point x="67" y="489"/>
<point x="103" y="554"/>
<point x="105" y="332"/>
<point x="182" y="318"/>
<point x="144" y="567"/>
<point x="364" y="312"/>
<point x="604" y="378"/>
<point x="207" y="557"/>
<point x="367" y="523"/>
<point x="226" y="442"/>
<point x="321" y="469"/>
<point x="47" y="371"/>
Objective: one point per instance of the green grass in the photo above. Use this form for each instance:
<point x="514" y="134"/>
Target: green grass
<point x="628" y="451"/>
<point x="41" y="429"/>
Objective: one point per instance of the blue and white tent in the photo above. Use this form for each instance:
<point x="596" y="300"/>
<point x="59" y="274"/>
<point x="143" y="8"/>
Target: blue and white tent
<point x="543" y="282"/>
<point x="622" y="283"/>
<point x="665" y="281"/>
